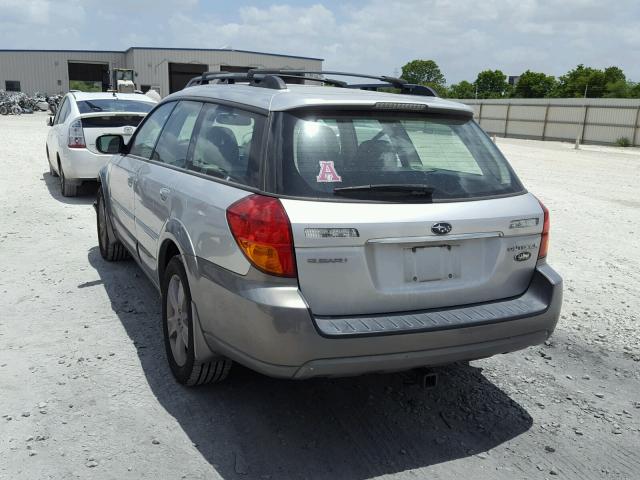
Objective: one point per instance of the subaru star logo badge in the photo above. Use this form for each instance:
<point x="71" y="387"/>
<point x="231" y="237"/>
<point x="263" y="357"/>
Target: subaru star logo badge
<point x="522" y="256"/>
<point x="441" y="228"/>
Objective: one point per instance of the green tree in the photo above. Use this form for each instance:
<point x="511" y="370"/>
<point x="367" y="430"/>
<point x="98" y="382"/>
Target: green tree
<point x="492" y="84"/>
<point x="424" y="72"/>
<point x="534" y="85"/>
<point x="594" y="82"/>
<point x="614" y="74"/>
<point x="618" y="89"/>
<point x="463" y="89"/>
<point x="634" y="90"/>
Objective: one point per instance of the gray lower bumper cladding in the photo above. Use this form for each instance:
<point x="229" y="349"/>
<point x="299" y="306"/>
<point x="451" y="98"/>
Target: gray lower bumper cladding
<point x="535" y="301"/>
<point x="264" y="323"/>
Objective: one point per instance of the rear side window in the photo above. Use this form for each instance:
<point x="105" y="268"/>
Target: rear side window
<point x="63" y="113"/>
<point x="227" y="144"/>
<point x="145" y="140"/>
<point x="449" y="157"/>
<point x="114" y="105"/>
<point x="173" y="144"/>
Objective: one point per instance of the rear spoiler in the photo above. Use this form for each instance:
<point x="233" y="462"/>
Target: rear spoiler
<point x="110" y="114"/>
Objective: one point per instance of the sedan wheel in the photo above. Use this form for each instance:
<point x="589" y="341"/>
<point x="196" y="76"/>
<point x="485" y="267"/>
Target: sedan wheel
<point x="68" y="189"/>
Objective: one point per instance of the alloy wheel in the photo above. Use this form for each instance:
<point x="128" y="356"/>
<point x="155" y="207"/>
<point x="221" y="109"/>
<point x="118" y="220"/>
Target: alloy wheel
<point x="177" y="320"/>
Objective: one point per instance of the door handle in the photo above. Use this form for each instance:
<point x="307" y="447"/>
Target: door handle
<point x="164" y="193"/>
<point x="130" y="181"/>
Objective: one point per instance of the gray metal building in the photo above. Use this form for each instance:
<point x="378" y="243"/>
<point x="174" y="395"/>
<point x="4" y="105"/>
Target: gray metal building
<point x="163" y="69"/>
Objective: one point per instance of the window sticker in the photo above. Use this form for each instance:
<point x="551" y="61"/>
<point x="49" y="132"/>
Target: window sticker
<point x="328" y="173"/>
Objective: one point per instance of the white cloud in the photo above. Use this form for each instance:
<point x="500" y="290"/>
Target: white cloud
<point x="374" y="36"/>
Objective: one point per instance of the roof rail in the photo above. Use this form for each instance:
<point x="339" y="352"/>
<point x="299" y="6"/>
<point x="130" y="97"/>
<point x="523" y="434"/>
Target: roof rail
<point x="273" y="78"/>
<point x="406" y="89"/>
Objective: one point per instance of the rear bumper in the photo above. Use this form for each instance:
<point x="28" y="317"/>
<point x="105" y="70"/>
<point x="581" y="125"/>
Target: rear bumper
<point x="264" y="323"/>
<point x="81" y="164"/>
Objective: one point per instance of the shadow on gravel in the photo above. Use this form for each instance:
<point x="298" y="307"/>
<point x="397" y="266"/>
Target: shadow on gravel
<point x="255" y="427"/>
<point x="86" y="193"/>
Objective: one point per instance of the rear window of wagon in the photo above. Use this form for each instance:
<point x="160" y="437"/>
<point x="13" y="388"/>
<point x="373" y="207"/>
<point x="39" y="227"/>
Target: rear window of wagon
<point x="321" y="153"/>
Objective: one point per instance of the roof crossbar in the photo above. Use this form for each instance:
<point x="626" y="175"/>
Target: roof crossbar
<point x="273" y="78"/>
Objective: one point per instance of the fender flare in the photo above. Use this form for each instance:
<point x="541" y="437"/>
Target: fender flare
<point x="175" y="232"/>
<point x="103" y="185"/>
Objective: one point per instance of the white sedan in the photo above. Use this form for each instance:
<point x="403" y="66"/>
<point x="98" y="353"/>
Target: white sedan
<point x="81" y="118"/>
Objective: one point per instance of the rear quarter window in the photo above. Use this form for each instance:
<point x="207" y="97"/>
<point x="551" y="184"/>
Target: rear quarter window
<point x="227" y="144"/>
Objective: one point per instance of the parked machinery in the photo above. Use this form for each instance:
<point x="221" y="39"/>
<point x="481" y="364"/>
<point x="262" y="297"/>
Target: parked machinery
<point x="122" y="80"/>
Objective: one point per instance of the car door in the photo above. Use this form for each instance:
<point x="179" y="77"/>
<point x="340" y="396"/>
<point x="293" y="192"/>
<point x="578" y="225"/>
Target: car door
<point x="123" y="173"/>
<point x="157" y="178"/>
<point x="54" y="137"/>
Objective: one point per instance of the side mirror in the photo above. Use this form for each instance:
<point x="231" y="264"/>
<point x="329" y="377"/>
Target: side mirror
<point x="50" y="121"/>
<point x="110" y="144"/>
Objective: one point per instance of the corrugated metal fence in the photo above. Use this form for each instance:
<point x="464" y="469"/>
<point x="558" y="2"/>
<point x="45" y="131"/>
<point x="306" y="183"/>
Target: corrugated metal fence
<point x="592" y="120"/>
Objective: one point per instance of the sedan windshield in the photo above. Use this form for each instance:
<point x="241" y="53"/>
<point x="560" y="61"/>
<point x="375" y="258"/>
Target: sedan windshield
<point x="390" y="157"/>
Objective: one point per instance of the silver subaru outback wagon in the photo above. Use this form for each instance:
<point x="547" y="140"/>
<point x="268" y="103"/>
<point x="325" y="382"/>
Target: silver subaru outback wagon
<point x="326" y="230"/>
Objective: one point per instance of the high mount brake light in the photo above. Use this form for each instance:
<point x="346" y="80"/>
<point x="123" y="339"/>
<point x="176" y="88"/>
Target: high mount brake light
<point x="76" y="135"/>
<point x="262" y="230"/>
<point x="544" y="240"/>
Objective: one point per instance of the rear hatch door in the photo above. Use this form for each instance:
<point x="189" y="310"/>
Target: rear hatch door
<point x="358" y="258"/>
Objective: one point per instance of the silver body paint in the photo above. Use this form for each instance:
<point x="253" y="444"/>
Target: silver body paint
<point x="396" y="296"/>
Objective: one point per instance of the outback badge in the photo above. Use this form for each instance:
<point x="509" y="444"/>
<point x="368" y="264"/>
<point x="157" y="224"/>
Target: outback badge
<point x="441" y="228"/>
<point x="522" y="256"/>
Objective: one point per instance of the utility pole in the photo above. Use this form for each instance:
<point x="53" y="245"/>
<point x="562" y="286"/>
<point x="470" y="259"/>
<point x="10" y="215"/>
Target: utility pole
<point x="584" y="120"/>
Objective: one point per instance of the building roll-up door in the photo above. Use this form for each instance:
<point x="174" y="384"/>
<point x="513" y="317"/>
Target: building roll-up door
<point x="88" y="77"/>
<point x="181" y="73"/>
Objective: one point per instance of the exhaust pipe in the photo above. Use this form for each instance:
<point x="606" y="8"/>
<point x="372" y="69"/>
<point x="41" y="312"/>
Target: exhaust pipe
<point x="427" y="378"/>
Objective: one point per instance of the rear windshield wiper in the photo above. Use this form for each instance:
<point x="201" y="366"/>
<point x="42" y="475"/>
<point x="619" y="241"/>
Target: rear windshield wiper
<point x="414" y="190"/>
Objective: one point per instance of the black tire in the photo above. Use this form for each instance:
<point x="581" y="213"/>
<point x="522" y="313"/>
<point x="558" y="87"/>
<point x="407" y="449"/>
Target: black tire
<point x="111" y="251"/>
<point x="67" y="188"/>
<point x="52" y="172"/>
<point x="188" y="372"/>
<point x="4" y="110"/>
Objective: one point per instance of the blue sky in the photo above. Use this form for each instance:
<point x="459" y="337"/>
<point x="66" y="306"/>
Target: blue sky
<point x="371" y="36"/>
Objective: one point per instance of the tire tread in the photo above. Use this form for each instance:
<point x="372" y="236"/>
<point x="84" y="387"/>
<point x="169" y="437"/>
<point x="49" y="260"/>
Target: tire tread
<point x="114" y="250"/>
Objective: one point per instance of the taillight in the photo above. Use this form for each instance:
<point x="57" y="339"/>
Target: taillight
<point x="76" y="135"/>
<point x="261" y="227"/>
<point x="544" y="240"/>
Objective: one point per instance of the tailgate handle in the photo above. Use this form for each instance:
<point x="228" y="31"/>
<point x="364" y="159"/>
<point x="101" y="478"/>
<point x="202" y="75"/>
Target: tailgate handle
<point x="164" y="193"/>
<point x="436" y="238"/>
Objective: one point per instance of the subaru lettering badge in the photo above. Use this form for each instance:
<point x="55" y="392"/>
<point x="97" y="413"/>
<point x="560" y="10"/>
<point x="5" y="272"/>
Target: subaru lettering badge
<point x="441" y="228"/>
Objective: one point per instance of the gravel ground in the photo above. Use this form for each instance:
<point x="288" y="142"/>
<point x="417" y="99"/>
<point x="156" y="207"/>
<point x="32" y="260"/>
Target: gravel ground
<point x="85" y="391"/>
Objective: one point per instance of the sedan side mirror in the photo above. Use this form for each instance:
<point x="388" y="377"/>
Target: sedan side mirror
<point x="50" y="121"/>
<point x="110" y="144"/>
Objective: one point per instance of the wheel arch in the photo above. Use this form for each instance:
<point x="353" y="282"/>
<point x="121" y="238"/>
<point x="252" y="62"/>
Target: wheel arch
<point x="174" y="240"/>
<point x="103" y="186"/>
